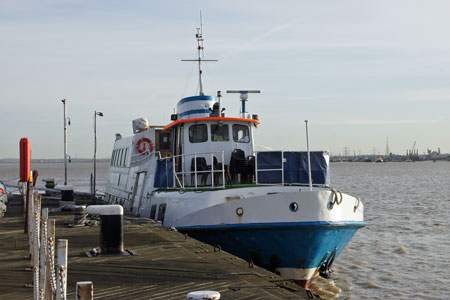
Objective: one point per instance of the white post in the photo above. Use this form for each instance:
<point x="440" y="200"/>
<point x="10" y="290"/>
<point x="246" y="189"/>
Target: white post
<point x="35" y="232"/>
<point x="61" y="270"/>
<point x="50" y="280"/>
<point x="282" y="167"/>
<point x="31" y="222"/>
<point x="309" y="157"/>
<point x="195" y="169"/>
<point x="84" y="290"/>
<point x="212" y="169"/>
<point x="43" y="252"/>
<point x="223" y="169"/>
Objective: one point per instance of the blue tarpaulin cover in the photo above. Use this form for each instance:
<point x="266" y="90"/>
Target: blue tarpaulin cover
<point x="295" y="167"/>
<point x="164" y="173"/>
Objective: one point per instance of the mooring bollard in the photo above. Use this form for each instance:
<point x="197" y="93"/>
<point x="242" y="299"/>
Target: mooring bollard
<point x="84" y="290"/>
<point x="111" y="227"/>
<point x="61" y="270"/>
<point x="50" y="277"/>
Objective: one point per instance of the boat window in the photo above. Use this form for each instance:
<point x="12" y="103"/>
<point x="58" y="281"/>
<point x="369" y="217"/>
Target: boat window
<point x="198" y="133"/>
<point x="114" y="157"/>
<point x="219" y="133"/>
<point x="120" y="157"/>
<point x="125" y="157"/>
<point x="241" y="133"/>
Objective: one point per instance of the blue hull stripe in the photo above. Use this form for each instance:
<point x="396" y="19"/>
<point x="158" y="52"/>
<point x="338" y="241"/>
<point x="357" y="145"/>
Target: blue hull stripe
<point x="279" y="245"/>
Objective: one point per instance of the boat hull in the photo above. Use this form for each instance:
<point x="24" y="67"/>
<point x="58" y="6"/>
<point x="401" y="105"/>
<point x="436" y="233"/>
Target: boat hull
<point x="294" y="250"/>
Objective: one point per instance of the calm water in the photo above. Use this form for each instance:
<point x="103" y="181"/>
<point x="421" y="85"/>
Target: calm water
<point x="402" y="254"/>
<point x="79" y="174"/>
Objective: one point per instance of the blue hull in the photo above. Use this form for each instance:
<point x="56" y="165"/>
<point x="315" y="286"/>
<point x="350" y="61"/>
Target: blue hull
<point x="279" y="245"/>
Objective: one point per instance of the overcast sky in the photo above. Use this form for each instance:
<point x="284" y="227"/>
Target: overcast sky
<point x="359" y="71"/>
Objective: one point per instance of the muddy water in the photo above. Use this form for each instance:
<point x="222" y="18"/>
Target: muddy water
<point x="404" y="252"/>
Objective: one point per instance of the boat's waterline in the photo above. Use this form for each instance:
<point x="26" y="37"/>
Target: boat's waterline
<point x="294" y="250"/>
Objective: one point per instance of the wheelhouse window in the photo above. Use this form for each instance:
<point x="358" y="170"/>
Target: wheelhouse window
<point x="198" y="133"/>
<point x="241" y="133"/>
<point x="219" y="133"/>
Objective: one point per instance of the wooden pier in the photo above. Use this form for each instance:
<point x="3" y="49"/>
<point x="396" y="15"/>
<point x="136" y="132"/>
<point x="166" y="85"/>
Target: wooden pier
<point x="168" y="264"/>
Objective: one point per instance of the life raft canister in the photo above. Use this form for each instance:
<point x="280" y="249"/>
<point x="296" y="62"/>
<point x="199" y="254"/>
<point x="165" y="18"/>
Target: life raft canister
<point x="142" y="145"/>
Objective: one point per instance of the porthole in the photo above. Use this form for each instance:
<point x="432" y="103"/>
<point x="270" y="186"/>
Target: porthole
<point x="239" y="211"/>
<point x="293" y="206"/>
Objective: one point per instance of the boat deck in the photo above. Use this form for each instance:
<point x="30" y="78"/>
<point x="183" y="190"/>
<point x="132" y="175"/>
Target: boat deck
<point x="168" y="264"/>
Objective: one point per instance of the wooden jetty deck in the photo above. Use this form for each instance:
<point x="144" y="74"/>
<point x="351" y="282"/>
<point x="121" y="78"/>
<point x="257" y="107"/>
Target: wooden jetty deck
<point x="168" y="264"/>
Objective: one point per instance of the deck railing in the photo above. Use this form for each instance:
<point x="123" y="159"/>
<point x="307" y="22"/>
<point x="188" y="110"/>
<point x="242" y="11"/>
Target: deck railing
<point x="180" y="177"/>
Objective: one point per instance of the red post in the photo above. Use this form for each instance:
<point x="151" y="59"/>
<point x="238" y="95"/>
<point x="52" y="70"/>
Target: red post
<point x="25" y="166"/>
<point x="25" y="159"/>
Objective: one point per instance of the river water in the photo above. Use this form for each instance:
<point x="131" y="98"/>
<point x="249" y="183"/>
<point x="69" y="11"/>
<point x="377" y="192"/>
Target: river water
<point x="404" y="251"/>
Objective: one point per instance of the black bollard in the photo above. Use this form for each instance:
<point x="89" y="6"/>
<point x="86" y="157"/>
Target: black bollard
<point x="111" y="227"/>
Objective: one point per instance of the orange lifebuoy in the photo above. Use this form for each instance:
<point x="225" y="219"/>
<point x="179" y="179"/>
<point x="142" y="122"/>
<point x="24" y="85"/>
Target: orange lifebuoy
<point x="141" y="145"/>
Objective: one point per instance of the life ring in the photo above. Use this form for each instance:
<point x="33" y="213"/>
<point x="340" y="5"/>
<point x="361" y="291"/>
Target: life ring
<point x="141" y="145"/>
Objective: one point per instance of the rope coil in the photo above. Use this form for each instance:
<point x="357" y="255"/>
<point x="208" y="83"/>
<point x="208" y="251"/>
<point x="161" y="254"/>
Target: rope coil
<point x="337" y="198"/>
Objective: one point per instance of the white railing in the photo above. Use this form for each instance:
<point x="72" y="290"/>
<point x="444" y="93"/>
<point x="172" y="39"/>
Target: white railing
<point x="179" y="178"/>
<point x="140" y="157"/>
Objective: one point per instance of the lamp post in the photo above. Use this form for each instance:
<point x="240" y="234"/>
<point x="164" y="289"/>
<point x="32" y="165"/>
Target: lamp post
<point x="100" y="114"/>
<point x="65" y="140"/>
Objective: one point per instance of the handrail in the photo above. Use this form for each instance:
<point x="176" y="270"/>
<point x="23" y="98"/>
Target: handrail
<point x="196" y="172"/>
<point x="144" y="155"/>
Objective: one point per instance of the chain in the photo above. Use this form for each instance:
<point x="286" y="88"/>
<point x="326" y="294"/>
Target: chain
<point x="51" y="259"/>
<point x="36" y="229"/>
<point x="62" y="281"/>
<point x="41" y="293"/>
<point x="44" y="236"/>
<point x="36" y="278"/>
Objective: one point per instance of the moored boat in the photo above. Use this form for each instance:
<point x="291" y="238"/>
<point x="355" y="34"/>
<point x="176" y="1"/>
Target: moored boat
<point x="202" y="175"/>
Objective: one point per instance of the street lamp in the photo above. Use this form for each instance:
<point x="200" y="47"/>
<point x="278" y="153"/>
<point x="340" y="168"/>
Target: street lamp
<point x="100" y="114"/>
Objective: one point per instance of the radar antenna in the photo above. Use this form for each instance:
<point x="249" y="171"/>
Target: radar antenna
<point x="200" y="48"/>
<point x="244" y="98"/>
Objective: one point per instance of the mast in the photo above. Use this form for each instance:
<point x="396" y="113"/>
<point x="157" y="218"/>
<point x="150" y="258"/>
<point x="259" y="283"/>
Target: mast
<point x="200" y="48"/>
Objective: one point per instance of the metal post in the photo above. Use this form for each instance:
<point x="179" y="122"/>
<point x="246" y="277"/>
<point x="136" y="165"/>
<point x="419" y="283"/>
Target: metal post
<point x="195" y="169"/>
<point x="95" y="155"/>
<point x="309" y="157"/>
<point x="26" y="202"/>
<point x="50" y="281"/>
<point x="100" y="114"/>
<point x="282" y="167"/>
<point x="30" y="221"/>
<point x="212" y="169"/>
<point x="36" y="223"/>
<point x="65" y="141"/>
<point x="223" y="169"/>
<point x="256" y="166"/>
<point x="61" y="271"/>
<point x="84" y="290"/>
<point x="43" y="252"/>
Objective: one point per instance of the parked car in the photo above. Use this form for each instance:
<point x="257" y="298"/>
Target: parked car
<point x="3" y="199"/>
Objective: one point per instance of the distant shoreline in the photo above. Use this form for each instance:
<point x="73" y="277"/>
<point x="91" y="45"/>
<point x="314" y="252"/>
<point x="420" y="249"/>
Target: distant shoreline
<point x="54" y="160"/>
